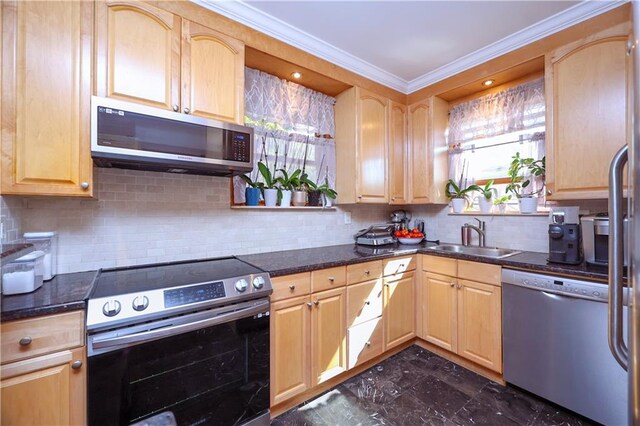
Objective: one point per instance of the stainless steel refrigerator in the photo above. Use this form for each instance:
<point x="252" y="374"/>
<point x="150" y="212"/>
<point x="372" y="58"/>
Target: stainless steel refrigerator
<point x="625" y="344"/>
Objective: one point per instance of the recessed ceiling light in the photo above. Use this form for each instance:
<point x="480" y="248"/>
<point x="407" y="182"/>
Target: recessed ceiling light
<point x="488" y="82"/>
<point x="297" y="75"/>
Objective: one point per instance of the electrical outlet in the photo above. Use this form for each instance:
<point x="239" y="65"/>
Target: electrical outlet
<point x="347" y="218"/>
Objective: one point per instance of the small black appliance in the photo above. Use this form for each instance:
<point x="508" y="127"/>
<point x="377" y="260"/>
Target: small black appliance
<point x="564" y="240"/>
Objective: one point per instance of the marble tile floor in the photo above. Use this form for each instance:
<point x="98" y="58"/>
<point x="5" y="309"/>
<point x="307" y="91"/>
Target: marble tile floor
<point x="416" y="387"/>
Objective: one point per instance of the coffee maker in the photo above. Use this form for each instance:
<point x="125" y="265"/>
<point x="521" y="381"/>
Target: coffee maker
<point x="564" y="236"/>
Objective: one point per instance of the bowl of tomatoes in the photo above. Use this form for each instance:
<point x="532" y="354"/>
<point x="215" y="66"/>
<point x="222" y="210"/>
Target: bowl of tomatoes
<point x="406" y="236"/>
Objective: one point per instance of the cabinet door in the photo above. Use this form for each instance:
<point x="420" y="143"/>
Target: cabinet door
<point x="212" y="74"/>
<point x="371" y="160"/>
<point x="439" y="310"/>
<point x="328" y="335"/>
<point x="290" y="358"/>
<point x="397" y="154"/>
<point x="587" y="122"/>
<point x="138" y="53"/>
<point x="419" y="158"/>
<point x="46" y="90"/>
<point x="45" y="390"/>
<point x="398" y="313"/>
<point x="480" y="324"/>
<point x="364" y="302"/>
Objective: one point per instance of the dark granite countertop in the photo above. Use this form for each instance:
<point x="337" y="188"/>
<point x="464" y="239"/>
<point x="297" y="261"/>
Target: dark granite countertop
<point x="66" y="292"/>
<point x="295" y="261"/>
<point x="13" y="251"/>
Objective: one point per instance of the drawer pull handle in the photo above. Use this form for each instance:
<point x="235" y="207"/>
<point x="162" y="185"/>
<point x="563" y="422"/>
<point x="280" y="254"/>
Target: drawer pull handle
<point x="452" y="284"/>
<point x="368" y="343"/>
<point x="316" y="303"/>
<point x="367" y="272"/>
<point x="25" y="341"/>
<point x="368" y="302"/>
<point x="459" y="286"/>
<point x="76" y="364"/>
<point x="332" y="279"/>
<point x="309" y="304"/>
<point x="292" y="287"/>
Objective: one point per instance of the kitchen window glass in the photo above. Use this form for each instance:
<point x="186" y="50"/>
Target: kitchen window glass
<point x="294" y="128"/>
<point x="486" y="132"/>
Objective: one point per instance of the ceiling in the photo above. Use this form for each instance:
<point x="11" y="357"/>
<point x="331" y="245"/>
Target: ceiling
<point x="407" y="45"/>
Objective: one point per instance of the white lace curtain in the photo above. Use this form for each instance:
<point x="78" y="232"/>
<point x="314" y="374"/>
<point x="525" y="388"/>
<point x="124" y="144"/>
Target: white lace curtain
<point x="486" y="132"/>
<point x="290" y="122"/>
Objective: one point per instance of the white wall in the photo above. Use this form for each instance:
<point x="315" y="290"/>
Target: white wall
<point x="147" y="217"/>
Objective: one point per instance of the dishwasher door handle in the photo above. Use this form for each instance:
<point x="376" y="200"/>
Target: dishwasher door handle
<point x="616" y="257"/>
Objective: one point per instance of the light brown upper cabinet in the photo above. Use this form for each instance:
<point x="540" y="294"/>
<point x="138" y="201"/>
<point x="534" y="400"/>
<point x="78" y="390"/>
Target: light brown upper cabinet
<point x="362" y="136"/>
<point x="46" y="90"/>
<point x="151" y="56"/>
<point x="397" y="153"/>
<point x="587" y="97"/>
<point x="427" y="158"/>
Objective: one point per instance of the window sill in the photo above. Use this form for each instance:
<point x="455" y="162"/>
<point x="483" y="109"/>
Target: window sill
<point x="296" y="208"/>
<point x="507" y="213"/>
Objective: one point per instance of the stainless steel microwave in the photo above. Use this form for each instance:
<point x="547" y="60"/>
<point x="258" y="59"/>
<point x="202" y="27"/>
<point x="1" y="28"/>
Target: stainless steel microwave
<point x="132" y="136"/>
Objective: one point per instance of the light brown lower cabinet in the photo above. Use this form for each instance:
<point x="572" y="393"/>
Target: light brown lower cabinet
<point x="398" y="312"/>
<point x="462" y="315"/>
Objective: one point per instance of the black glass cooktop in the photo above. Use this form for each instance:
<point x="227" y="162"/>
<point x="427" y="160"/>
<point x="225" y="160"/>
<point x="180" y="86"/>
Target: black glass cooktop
<point x="111" y="282"/>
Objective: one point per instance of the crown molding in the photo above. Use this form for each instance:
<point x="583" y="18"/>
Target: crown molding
<point x="252" y="17"/>
<point x="558" y="22"/>
<point x="260" y="21"/>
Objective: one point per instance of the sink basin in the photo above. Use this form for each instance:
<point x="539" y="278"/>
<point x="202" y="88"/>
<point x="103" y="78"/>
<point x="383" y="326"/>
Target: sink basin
<point x="493" y="252"/>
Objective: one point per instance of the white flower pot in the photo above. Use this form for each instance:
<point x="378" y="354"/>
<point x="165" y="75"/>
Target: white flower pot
<point x="326" y="201"/>
<point x="458" y="204"/>
<point x="528" y="205"/>
<point x="285" y="201"/>
<point x="270" y="197"/>
<point x="299" y="198"/>
<point x="485" y="205"/>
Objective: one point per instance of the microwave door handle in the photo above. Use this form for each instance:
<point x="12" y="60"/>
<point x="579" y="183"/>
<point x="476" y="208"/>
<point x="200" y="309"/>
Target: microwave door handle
<point x="616" y="257"/>
<point x="144" y="336"/>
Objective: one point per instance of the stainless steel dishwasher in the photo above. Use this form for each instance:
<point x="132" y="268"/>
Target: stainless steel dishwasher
<point x="555" y="344"/>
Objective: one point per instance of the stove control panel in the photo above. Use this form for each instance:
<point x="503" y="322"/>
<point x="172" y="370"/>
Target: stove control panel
<point x="193" y="294"/>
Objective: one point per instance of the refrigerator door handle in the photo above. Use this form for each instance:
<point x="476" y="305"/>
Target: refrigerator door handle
<point x="616" y="257"/>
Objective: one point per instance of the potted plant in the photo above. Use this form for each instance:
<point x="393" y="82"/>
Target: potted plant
<point x="485" y="199"/>
<point x="252" y="191"/>
<point x="270" y="188"/>
<point x="459" y="197"/>
<point x="328" y="194"/>
<point x="522" y="172"/>
<point x="502" y="203"/>
<point x="287" y="185"/>
<point x="302" y="186"/>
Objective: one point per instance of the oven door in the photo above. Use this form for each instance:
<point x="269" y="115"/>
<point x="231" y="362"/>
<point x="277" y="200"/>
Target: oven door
<point x="209" y="367"/>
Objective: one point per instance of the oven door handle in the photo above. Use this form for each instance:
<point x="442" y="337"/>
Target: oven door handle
<point x="170" y="330"/>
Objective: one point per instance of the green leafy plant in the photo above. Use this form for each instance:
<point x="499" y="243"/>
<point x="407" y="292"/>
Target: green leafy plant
<point x="270" y="182"/>
<point x="303" y="183"/>
<point x="521" y="172"/>
<point x="289" y="182"/>
<point x="250" y="182"/>
<point x="454" y="190"/>
<point x="326" y="190"/>
<point x="501" y="200"/>
<point x="487" y="191"/>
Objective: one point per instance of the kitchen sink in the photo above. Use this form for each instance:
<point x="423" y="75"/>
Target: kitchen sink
<point x="493" y="252"/>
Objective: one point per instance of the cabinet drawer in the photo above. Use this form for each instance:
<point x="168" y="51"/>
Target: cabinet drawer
<point x="41" y="335"/>
<point x="365" y="341"/>
<point x="364" y="302"/>
<point x="364" y="272"/>
<point x="291" y="286"/>
<point x="397" y="265"/>
<point x="440" y="265"/>
<point x="481" y="272"/>
<point x="326" y="279"/>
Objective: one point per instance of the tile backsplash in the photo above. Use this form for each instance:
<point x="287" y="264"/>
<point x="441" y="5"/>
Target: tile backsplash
<point x="147" y="217"/>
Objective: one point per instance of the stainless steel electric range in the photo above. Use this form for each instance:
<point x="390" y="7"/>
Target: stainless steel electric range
<point x="179" y="343"/>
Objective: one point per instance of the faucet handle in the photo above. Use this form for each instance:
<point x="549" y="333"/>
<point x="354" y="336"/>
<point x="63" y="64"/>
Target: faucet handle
<point x="481" y="223"/>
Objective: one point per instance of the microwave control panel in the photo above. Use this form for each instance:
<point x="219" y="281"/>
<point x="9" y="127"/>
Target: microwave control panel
<point x="238" y="147"/>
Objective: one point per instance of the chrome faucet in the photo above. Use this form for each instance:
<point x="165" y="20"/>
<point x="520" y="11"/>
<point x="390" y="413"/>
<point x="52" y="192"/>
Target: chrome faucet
<point x="481" y="229"/>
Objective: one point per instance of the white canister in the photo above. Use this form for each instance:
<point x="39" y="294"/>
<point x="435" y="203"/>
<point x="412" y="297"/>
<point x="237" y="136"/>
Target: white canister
<point x="24" y="274"/>
<point x="46" y="242"/>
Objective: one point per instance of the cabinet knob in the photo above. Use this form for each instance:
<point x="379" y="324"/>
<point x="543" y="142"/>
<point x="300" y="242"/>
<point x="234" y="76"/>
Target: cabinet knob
<point x="176" y="108"/>
<point x="630" y="46"/>
<point x="316" y="303"/>
<point x="332" y="279"/>
<point x="76" y="364"/>
<point x="452" y="284"/>
<point x="187" y="110"/>
<point x="25" y="341"/>
<point x="549" y="192"/>
<point x="309" y="304"/>
<point x="368" y="343"/>
<point x="393" y="198"/>
<point x="292" y="287"/>
<point x="459" y="286"/>
<point x="368" y="302"/>
<point x="359" y="197"/>
<point x="84" y="185"/>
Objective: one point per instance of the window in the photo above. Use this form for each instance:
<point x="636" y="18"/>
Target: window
<point x="486" y="132"/>
<point x="290" y="122"/>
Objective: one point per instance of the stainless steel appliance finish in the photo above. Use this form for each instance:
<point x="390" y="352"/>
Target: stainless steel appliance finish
<point x="595" y="238"/>
<point x="133" y="136"/>
<point x="375" y="235"/>
<point x="555" y="344"/>
<point x="493" y="252"/>
<point x="627" y="354"/>
<point x="182" y="340"/>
